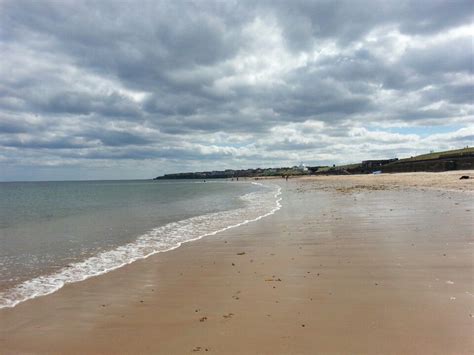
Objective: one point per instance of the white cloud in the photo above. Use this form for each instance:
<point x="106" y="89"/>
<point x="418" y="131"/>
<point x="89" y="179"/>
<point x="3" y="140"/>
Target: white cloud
<point x="184" y="86"/>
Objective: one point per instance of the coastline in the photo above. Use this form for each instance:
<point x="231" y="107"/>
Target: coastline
<point x="259" y="204"/>
<point x="349" y="264"/>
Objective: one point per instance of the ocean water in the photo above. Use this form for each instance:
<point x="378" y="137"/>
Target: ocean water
<point x="54" y="233"/>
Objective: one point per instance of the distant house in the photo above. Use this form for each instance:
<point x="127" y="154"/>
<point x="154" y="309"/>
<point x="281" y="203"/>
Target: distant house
<point x="301" y="167"/>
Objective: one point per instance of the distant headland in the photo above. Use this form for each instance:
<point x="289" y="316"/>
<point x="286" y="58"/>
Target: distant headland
<point x="460" y="159"/>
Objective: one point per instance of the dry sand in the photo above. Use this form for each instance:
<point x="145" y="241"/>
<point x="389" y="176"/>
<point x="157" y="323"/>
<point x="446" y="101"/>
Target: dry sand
<point x="447" y="181"/>
<point x="349" y="265"/>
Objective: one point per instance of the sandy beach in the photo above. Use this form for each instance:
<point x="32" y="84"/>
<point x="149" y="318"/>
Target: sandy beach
<point x="367" y="264"/>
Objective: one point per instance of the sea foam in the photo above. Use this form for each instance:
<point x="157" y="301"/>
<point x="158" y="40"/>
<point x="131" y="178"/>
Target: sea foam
<point x="258" y="205"/>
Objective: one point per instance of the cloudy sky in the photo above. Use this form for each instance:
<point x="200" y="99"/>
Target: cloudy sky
<point x="116" y="89"/>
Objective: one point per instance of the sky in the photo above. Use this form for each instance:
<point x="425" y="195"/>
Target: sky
<point x="136" y="89"/>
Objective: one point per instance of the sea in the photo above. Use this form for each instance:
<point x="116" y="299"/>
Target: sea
<point x="55" y="233"/>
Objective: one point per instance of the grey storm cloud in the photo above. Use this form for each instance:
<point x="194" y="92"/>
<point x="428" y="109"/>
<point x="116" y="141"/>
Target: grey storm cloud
<point x="347" y="21"/>
<point x="178" y="82"/>
<point x="115" y="138"/>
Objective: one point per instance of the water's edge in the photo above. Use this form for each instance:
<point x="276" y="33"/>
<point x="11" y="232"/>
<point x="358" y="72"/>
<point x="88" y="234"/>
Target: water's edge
<point x="259" y="205"/>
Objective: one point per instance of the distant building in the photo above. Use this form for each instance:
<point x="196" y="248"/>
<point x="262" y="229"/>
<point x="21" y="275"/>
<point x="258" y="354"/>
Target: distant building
<point x="301" y="167"/>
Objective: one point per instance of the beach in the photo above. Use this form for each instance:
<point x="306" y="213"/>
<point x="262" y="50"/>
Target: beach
<point x="363" y="264"/>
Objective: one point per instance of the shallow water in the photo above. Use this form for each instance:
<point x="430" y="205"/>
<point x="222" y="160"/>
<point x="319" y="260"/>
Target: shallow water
<point x="53" y="233"/>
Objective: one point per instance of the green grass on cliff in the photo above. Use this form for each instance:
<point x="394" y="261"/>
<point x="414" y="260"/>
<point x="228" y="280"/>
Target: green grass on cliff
<point x="438" y="155"/>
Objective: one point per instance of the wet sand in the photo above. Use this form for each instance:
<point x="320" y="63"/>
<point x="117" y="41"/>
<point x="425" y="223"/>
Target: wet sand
<point x="348" y="265"/>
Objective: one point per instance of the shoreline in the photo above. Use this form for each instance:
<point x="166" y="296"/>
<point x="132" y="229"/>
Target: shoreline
<point x="322" y="274"/>
<point x="49" y="284"/>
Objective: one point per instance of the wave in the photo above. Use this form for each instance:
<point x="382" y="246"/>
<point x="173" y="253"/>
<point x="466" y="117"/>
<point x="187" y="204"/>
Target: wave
<point x="259" y="204"/>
